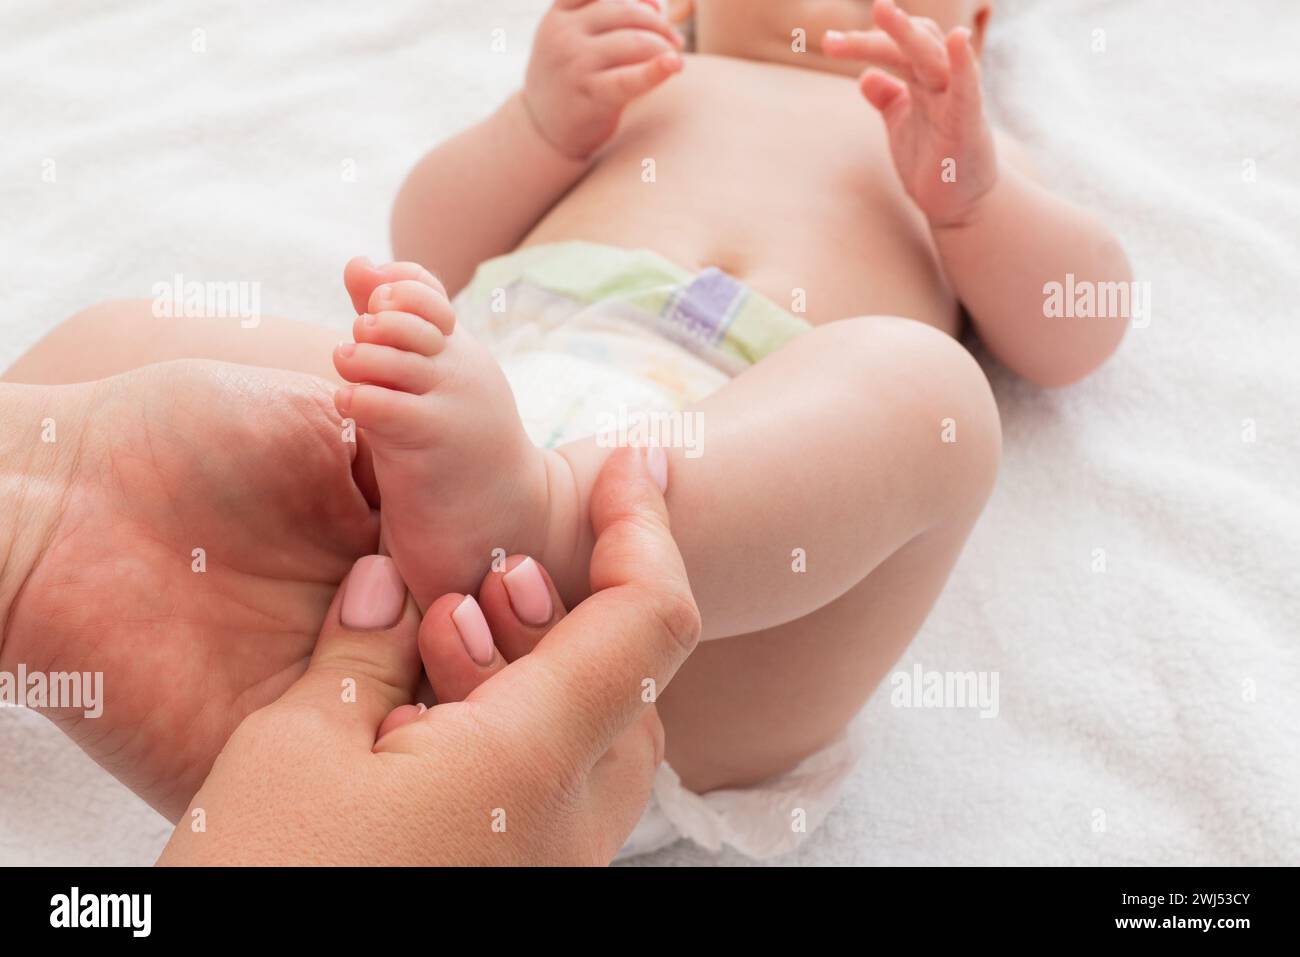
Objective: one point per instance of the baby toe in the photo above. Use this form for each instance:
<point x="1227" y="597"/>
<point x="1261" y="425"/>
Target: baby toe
<point x="391" y="419"/>
<point x="400" y="330"/>
<point x="360" y="277"/>
<point x="413" y="296"/>
<point x="384" y="366"/>
<point x="413" y="271"/>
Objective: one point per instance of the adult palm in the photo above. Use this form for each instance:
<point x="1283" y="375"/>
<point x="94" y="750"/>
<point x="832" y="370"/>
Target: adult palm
<point x="197" y="524"/>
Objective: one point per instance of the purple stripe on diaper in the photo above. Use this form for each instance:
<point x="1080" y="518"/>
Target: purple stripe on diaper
<point x="704" y="307"/>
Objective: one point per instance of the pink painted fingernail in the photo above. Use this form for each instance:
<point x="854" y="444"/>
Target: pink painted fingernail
<point x="375" y="595"/>
<point x="529" y="596"/>
<point x="656" y="460"/>
<point x="473" y="627"/>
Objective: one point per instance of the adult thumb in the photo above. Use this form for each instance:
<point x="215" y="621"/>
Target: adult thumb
<point x="366" y="661"/>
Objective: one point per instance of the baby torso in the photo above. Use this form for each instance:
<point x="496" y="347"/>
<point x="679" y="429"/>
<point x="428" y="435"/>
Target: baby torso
<point x="780" y="177"/>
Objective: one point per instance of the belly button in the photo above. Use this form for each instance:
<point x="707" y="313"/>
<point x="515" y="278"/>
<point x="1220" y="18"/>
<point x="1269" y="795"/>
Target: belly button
<point x="729" y="266"/>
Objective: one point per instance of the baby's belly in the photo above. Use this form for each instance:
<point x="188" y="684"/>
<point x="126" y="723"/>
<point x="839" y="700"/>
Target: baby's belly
<point x="816" y="222"/>
<point x="795" y="266"/>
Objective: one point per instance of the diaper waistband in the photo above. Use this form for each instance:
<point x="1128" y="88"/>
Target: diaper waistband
<point x="708" y="312"/>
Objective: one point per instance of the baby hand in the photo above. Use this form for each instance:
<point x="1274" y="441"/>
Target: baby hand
<point x="941" y="143"/>
<point x="590" y="60"/>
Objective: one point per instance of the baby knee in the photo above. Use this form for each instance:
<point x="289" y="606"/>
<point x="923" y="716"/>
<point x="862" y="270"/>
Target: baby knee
<point x="943" y="389"/>
<point x="963" y="411"/>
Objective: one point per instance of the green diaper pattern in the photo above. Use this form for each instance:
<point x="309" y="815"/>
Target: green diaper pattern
<point x="705" y="312"/>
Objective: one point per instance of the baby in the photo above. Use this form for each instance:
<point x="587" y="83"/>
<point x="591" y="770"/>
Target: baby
<point x="730" y="235"/>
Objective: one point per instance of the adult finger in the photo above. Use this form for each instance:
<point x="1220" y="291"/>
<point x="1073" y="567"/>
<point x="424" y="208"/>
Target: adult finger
<point x="599" y="668"/>
<point x="521" y="605"/>
<point x="365" y="663"/>
<point x="401" y="715"/>
<point x="456" y="647"/>
<point x="464" y="642"/>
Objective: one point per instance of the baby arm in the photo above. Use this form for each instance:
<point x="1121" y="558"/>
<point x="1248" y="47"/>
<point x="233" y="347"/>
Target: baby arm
<point x="1018" y="239"/>
<point x="479" y="194"/>
<point x="1000" y="237"/>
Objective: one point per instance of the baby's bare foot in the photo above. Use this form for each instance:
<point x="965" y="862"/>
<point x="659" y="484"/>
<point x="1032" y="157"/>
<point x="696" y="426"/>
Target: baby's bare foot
<point x="457" y="475"/>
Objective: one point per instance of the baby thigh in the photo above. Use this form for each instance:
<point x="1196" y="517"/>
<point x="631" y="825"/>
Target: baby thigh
<point x="749" y="706"/>
<point x="114" y="337"/>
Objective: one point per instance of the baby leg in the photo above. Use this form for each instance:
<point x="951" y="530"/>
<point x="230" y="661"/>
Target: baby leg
<point x="838" y="450"/>
<point x="114" y="337"/>
<point x="818" y="525"/>
<point x="838" y="481"/>
<point x="746" y="708"/>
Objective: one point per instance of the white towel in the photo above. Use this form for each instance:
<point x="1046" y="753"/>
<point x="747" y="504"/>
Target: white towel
<point x="1147" y="714"/>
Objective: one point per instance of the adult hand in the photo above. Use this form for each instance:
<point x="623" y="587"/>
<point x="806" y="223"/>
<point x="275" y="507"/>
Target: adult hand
<point x="184" y="535"/>
<point x="547" y="760"/>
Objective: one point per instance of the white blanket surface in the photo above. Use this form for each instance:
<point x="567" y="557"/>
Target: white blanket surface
<point x="1148" y="712"/>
